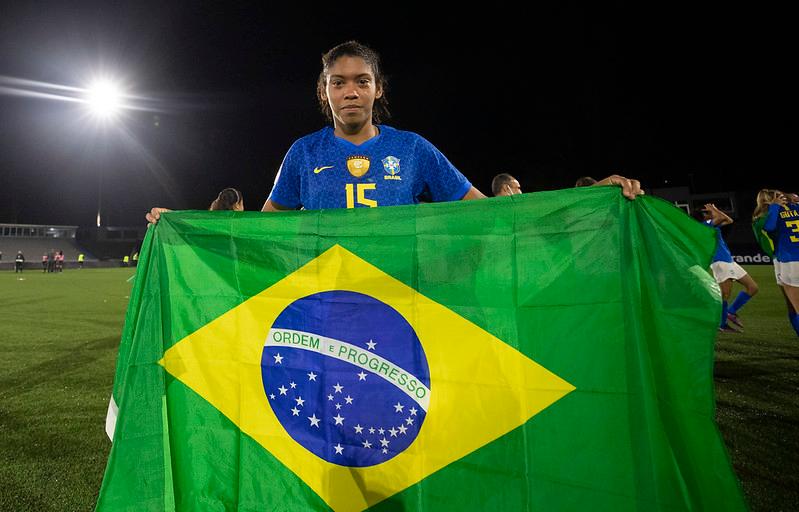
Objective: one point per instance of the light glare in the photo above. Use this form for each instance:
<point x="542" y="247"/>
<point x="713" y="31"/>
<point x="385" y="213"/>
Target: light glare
<point x="104" y="99"/>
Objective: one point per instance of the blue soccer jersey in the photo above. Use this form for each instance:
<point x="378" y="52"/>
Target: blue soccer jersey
<point x="394" y="168"/>
<point x="722" y="251"/>
<point x="783" y="223"/>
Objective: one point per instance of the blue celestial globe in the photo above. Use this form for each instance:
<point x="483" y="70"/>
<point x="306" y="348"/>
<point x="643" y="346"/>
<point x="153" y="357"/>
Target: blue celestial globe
<point x="347" y="377"/>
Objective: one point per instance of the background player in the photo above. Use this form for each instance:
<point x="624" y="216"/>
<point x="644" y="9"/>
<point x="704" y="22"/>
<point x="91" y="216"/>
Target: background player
<point x="505" y="185"/>
<point x="782" y="223"/>
<point x="725" y="270"/>
<point x="228" y="199"/>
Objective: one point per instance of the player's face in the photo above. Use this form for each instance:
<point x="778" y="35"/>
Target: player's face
<point x="510" y="189"/>
<point x="514" y="188"/>
<point x="351" y="91"/>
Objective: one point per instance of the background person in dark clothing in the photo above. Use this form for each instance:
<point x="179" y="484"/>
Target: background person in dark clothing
<point x="19" y="262"/>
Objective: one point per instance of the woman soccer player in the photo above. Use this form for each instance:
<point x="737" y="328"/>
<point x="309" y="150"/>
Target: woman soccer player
<point x="782" y="224"/>
<point x="358" y="162"/>
<point x="725" y="270"/>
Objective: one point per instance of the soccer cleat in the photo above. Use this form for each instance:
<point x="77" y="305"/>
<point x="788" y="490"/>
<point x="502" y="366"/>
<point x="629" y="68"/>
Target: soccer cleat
<point x="732" y="317"/>
<point x="727" y="328"/>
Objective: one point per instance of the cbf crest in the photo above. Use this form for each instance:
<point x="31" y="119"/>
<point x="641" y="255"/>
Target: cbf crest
<point x="358" y="165"/>
<point x="392" y="167"/>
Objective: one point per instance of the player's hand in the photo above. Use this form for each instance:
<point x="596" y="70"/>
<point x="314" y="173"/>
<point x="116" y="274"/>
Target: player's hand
<point x="154" y="214"/>
<point x="630" y="188"/>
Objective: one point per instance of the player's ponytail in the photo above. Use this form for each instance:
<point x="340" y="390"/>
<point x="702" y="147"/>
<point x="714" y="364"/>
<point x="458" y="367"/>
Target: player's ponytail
<point x="227" y="200"/>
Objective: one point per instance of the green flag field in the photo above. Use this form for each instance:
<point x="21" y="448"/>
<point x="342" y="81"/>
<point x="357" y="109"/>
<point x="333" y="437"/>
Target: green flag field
<point x="200" y="425"/>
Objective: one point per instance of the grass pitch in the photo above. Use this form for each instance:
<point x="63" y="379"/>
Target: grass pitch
<point x="58" y="341"/>
<point x="757" y="398"/>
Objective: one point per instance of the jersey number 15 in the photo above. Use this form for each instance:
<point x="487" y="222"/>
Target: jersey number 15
<point x="359" y="189"/>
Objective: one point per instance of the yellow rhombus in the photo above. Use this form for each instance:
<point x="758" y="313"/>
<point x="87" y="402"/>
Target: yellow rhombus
<point x="481" y="388"/>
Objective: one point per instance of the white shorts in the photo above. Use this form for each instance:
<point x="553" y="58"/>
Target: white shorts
<point x="723" y="271"/>
<point x="787" y="273"/>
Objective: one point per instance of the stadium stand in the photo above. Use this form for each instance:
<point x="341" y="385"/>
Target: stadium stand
<point x="33" y="249"/>
<point x="111" y="243"/>
<point x="36" y="240"/>
<point x="101" y="247"/>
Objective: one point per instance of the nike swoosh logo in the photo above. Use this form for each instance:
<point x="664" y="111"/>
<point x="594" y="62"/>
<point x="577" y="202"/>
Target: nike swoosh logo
<point x="320" y="169"/>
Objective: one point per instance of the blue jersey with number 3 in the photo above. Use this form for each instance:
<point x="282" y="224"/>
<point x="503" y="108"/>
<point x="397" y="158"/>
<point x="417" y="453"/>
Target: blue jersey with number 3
<point x="783" y="223"/>
<point x="394" y="168"/>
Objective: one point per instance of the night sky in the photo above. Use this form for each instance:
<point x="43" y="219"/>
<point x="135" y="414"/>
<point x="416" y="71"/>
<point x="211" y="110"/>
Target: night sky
<point x="672" y="97"/>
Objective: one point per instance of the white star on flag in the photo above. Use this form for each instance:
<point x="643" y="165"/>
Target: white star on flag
<point x="330" y="397"/>
<point x="381" y="431"/>
<point x="348" y="399"/>
<point x="314" y="420"/>
<point x="409" y="421"/>
<point x="339" y="419"/>
<point x="361" y="376"/>
<point x="278" y="359"/>
<point x="385" y="451"/>
<point x="398" y="407"/>
<point x="299" y="401"/>
<point x="358" y="429"/>
<point x="393" y="431"/>
<point x="370" y="345"/>
<point x="293" y="385"/>
<point x="384" y="442"/>
<point x="371" y="430"/>
<point x="295" y="411"/>
<point x="282" y="390"/>
<point x="339" y="449"/>
<point x="402" y="429"/>
<point x="338" y="387"/>
<point x="367" y="444"/>
<point x="272" y="396"/>
<point x="413" y="411"/>
<point x="338" y="406"/>
<point x="312" y="376"/>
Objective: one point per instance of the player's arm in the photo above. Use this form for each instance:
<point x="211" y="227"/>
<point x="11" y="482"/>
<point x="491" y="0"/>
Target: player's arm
<point x="271" y="206"/>
<point x="719" y="218"/>
<point x="287" y="184"/>
<point x="790" y="197"/>
<point x="444" y="181"/>
<point x="631" y="188"/>
<point x="773" y="214"/>
<point x="473" y="193"/>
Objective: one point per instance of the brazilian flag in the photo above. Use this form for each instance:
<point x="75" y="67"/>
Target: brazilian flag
<point x="551" y="351"/>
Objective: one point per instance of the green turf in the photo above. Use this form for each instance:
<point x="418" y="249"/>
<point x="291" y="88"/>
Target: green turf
<point x="757" y="389"/>
<point x="58" y="339"/>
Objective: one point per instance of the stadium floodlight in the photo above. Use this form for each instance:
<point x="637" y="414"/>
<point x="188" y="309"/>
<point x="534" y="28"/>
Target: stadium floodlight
<point x="104" y="99"/>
